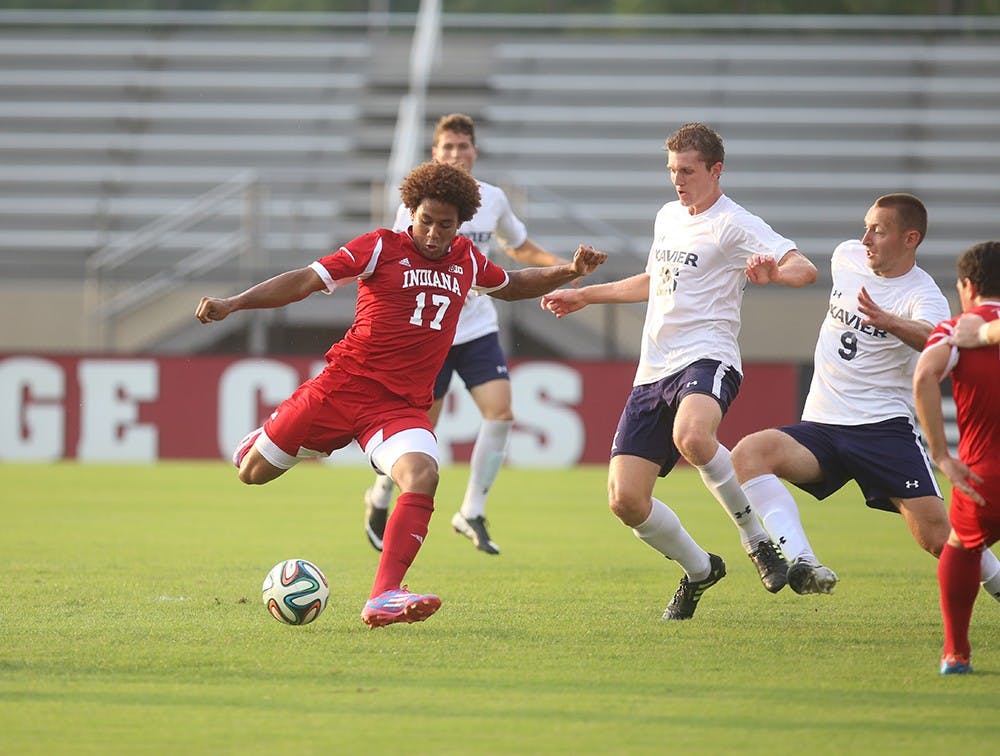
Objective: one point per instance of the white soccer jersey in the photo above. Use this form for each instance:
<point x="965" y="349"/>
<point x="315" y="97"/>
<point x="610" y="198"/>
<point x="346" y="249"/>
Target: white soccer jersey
<point x="861" y="374"/>
<point x="495" y="216"/>
<point x="696" y="280"/>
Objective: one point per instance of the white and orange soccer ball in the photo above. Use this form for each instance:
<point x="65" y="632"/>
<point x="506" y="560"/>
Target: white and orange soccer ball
<point x="295" y="591"/>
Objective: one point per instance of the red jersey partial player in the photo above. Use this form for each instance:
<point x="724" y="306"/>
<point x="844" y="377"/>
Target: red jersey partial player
<point x="377" y="385"/>
<point x="975" y="474"/>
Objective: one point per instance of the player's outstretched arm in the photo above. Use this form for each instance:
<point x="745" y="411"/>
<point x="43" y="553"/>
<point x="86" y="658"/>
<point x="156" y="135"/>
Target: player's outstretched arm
<point x="913" y="333"/>
<point x="927" y="378"/>
<point x="971" y="332"/>
<point x="565" y="301"/>
<point x="533" y="282"/>
<point x="279" y="291"/>
<point x="794" y="269"/>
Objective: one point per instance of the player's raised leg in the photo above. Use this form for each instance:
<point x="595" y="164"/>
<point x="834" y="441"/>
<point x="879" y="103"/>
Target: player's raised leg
<point x="695" y="427"/>
<point x="759" y="459"/>
<point x="259" y="460"/>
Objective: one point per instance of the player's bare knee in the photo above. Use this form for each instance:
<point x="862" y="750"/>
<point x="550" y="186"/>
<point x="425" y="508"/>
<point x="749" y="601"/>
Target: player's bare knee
<point x="253" y="473"/>
<point x="502" y="415"/>
<point x="696" y="447"/>
<point x="751" y="457"/>
<point x="624" y="506"/>
<point x="743" y="462"/>
<point x="420" y="477"/>
<point x="928" y="521"/>
<point x="934" y="541"/>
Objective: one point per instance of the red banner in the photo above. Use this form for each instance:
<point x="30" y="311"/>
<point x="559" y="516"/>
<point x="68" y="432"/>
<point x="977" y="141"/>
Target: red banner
<point x="145" y="408"/>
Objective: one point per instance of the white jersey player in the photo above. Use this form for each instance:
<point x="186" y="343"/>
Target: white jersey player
<point x="696" y="285"/>
<point x="704" y="250"/>
<point x="862" y="373"/>
<point x="858" y="421"/>
<point x="476" y="354"/>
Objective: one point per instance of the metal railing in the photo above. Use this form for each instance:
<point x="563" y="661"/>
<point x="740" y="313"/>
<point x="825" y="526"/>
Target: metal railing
<point x="111" y="295"/>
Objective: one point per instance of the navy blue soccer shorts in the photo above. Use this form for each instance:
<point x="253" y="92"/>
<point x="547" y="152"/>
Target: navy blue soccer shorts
<point x="646" y="427"/>
<point x="887" y="459"/>
<point x="476" y="362"/>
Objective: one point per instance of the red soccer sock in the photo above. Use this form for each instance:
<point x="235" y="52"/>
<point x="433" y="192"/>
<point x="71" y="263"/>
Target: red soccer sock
<point x="958" y="580"/>
<point x="404" y="535"/>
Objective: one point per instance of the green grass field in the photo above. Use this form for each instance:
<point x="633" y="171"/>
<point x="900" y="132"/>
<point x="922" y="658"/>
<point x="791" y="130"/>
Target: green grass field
<point x="132" y="623"/>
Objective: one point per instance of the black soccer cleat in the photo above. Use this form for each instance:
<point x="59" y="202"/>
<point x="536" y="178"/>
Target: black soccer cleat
<point x="771" y="566"/>
<point x="685" y="600"/>
<point x="474" y="528"/>
<point x="806" y="577"/>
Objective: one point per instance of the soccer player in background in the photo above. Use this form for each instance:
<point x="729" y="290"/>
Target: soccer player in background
<point x="857" y="423"/>
<point x="705" y="248"/>
<point x="377" y="384"/>
<point x="476" y="354"/>
<point x="975" y="473"/>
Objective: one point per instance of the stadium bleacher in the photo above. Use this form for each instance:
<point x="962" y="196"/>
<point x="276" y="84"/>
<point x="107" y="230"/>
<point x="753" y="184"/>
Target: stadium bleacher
<point x="814" y="130"/>
<point x="107" y="127"/>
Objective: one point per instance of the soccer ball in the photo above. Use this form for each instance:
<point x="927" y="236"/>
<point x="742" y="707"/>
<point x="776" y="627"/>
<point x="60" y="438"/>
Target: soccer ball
<point x="295" y="591"/>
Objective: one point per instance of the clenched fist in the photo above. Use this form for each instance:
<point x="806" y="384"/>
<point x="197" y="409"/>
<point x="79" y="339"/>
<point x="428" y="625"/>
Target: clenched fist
<point x="210" y="308"/>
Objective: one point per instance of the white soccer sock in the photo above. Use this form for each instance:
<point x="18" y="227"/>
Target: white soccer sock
<point x="663" y="531"/>
<point x="488" y="454"/>
<point x="381" y="495"/>
<point x="991" y="574"/>
<point x="720" y="479"/>
<point x="780" y="516"/>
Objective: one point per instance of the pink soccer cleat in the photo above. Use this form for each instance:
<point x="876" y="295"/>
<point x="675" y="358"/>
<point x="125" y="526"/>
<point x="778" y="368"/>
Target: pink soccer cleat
<point x="244" y="446"/>
<point x="399" y="605"/>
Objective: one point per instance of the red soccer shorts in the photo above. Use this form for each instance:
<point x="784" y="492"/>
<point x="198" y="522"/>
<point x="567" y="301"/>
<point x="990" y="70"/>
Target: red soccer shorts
<point x="977" y="526"/>
<point x="329" y="411"/>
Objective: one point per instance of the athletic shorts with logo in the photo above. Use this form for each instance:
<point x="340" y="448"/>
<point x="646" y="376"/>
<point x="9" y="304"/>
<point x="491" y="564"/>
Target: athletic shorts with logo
<point x="646" y="426"/>
<point x="886" y="459"/>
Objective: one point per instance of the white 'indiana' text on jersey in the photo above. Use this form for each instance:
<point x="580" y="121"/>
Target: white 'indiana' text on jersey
<point x="696" y="270"/>
<point x="494" y="218"/>
<point x="862" y="374"/>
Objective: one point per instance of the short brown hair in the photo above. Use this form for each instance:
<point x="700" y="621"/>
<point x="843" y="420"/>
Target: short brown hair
<point x="439" y="181"/>
<point x="457" y="122"/>
<point x="910" y="212"/>
<point x="980" y="264"/>
<point x="701" y="138"/>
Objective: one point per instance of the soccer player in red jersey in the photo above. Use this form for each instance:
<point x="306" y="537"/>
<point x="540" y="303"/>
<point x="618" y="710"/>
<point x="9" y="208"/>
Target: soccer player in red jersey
<point x="975" y="473"/>
<point x="377" y="384"/>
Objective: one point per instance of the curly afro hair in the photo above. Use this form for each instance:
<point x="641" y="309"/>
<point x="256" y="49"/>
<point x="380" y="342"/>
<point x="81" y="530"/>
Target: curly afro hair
<point x="446" y="183"/>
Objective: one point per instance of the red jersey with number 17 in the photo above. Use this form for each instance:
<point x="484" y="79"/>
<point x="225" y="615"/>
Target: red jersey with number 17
<point x="407" y="308"/>
<point x="975" y="380"/>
